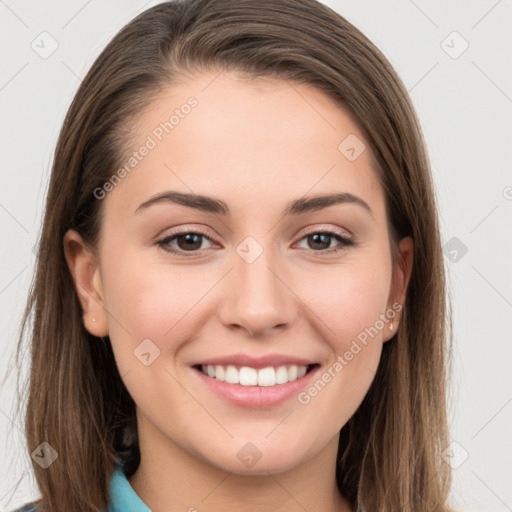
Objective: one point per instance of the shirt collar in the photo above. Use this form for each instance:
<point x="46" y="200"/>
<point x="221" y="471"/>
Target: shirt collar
<point x="122" y="496"/>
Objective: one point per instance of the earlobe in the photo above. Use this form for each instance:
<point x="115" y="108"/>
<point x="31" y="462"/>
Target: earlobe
<point x="84" y="269"/>
<point x="402" y="270"/>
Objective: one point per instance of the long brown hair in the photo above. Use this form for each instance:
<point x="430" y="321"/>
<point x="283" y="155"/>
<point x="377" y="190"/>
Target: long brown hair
<point x="389" y="455"/>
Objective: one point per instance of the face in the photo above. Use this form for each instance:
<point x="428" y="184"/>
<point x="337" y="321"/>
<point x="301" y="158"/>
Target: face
<point x="260" y="275"/>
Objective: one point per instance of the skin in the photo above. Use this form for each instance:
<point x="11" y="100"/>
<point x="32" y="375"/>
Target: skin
<point x="256" y="145"/>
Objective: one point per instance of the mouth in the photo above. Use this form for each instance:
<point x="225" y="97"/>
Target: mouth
<point x="270" y="376"/>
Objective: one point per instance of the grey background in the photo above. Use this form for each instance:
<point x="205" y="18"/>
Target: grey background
<point x="464" y="101"/>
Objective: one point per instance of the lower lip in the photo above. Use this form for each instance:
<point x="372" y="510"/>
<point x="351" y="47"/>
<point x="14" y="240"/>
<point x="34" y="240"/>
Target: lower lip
<point x="257" y="396"/>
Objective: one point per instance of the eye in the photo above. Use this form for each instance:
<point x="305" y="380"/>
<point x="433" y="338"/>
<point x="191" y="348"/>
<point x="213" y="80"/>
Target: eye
<point x="320" y="241"/>
<point x="183" y="241"/>
<point x="186" y="240"/>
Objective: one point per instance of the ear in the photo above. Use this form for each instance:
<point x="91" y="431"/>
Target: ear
<point x="402" y="268"/>
<point x="85" y="272"/>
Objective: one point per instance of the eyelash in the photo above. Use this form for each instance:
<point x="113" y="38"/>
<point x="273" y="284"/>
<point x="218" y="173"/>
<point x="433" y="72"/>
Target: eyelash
<point x="164" y="242"/>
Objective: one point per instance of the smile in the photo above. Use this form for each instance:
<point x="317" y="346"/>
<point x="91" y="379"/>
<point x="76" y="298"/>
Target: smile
<point x="247" y="376"/>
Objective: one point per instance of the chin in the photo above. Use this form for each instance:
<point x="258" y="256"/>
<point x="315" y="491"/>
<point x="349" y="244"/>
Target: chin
<point x="248" y="460"/>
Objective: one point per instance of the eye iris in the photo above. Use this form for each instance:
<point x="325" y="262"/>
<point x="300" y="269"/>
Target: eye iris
<point x="315" y="238"/>
<point x="189" y="237"/>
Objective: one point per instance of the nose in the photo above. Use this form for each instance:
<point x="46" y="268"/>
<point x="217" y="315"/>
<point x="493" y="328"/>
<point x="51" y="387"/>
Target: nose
<point x="257" y="297"/>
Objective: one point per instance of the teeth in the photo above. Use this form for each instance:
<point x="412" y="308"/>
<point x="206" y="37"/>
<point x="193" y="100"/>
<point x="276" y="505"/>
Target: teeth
<point x="247" y="376"/>
<point x="282" y="375"/>
<point x="292" y="373"/>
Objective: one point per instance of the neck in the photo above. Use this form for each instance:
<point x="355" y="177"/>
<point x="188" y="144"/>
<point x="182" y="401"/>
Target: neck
<point x="171" y="479"/>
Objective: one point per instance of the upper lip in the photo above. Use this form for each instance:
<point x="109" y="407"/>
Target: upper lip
<point x="255" y="362"/>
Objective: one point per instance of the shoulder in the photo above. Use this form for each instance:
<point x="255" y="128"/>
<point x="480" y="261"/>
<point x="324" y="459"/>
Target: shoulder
<point x="29" y="507"/>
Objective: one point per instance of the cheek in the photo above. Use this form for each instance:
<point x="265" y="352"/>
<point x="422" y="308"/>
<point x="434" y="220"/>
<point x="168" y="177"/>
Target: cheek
<point x="350" y="305"/>
<point x="348" y="301"/>
<point x="146" y="300"/>
<point x="350" y="308"/>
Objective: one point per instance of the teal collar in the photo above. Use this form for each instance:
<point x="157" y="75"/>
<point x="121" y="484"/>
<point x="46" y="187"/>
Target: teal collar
<point x="122" y="496"/>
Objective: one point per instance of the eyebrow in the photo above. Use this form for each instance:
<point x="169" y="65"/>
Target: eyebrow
<point x="217" y="206"/>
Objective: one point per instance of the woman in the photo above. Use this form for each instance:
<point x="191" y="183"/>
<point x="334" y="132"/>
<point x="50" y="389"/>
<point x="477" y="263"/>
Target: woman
<point x="292" y="358"/>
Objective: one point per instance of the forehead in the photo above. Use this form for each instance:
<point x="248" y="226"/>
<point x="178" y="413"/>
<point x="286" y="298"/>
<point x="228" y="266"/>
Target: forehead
<point x="236" y="138"/>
